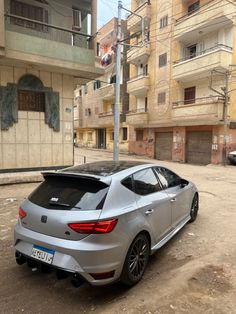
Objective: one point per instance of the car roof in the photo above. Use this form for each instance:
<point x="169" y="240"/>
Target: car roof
<point x="105" y="168"/>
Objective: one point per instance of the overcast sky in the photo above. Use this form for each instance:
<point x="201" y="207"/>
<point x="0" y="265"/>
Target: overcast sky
<point x="107" y="9"/>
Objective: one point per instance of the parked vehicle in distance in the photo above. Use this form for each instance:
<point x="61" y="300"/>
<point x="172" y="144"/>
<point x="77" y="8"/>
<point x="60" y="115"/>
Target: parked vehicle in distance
<point x="232" y="157"/>
<point x="99" y="222"/>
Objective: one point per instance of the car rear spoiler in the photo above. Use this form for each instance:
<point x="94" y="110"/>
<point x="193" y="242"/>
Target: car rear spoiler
<point x="75" y="175"/>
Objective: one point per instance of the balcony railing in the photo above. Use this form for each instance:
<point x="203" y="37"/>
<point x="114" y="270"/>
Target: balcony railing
<point x="143" y="12"/>
<point x="106" y="113"/>
<point x="203" y="52"/>
<point x="47" y="31"/>
<point x="198" y="9"/>
<point x="198" y="101"/>
<point x="203" y="111"/>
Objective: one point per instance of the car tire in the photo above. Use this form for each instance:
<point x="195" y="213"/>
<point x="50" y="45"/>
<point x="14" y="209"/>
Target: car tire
<point x="194" y="208"/>
<point x="136" y="260"/>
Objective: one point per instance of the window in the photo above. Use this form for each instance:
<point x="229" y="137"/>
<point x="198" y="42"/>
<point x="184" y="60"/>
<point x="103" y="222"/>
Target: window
<point x="113" y="79"/>
<point x="98" y="53"/>
<point x="67" y="193"/>
<point x="31" y="101"/>
<point x="76" y="19"/>
<point x="161" y="98"/>
<point x="31" y="12"/>
<point x="88" y="111"/>
<point x="139" y="135"/>
<point x="189" y="95"/>
<point x="80" y="92"/>
<point x="96" y="84"/>
<point x="193" y="7"/>
<point x="191" y="51"/>
<point x="90" y="136"/>
<point x="125" y="134"/>
<point x="85" y="89"/>
<point x="128" y="183"/>
<point x="145" y="182"/>
<point x="146" y="104"/>
<point x="168" y="178"/>
<point x="164" y="21"/>
<point x="162" y="60"/>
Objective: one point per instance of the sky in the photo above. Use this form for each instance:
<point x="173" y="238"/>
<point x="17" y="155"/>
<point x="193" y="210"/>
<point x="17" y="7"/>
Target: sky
<point x="107" y="9"/>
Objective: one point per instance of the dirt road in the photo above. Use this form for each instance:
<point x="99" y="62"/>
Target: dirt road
<point x="194" y="273"/>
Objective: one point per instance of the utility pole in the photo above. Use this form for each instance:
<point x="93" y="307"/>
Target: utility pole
<point x="117" y="102"/>
<point x="225" y="115"/>
<point x="118" y="66"/>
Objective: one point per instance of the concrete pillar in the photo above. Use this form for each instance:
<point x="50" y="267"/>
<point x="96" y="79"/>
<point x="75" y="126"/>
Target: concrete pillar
<point x="93" y="22"/>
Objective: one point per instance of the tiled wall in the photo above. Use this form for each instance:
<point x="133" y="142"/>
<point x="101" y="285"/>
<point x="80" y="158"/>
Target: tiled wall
<point x="31" y="142"/>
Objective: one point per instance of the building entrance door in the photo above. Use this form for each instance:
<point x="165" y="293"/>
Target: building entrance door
<point x="101" y="138"/>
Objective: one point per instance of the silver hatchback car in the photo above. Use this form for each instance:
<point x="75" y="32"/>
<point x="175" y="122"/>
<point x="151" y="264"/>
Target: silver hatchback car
<point x="99" y="222"/>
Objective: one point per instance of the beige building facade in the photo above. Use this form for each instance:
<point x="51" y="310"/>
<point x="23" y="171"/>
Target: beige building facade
<point x="180" y="78"/>
<point x="95" y="101"/>
<point x="45" y="50"/>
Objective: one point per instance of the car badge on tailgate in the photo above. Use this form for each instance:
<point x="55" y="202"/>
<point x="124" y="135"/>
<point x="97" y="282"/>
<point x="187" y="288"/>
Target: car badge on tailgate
<point x="44" y="219"/>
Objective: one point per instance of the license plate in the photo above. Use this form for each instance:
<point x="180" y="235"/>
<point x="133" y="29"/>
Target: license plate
<point x="42" y="254"/>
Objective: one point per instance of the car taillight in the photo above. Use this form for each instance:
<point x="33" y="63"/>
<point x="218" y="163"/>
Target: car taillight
<point x="22" y="213"/>
<point x="105" y="226"/>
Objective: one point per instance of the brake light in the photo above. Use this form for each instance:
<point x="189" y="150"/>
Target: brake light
<point x="22" y="213"/>
<point x="105" y="226"/>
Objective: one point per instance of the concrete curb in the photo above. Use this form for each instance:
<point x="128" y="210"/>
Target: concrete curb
<point x="20" y="177"/>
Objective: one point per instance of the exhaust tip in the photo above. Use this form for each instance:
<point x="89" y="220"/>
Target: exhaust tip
<point x="20" y="259"/>
<point x="77" y="281"/>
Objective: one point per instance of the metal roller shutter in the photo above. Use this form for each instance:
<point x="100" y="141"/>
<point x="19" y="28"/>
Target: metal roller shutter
<point x="198" y="147"/>
<point x="164" y="144"/>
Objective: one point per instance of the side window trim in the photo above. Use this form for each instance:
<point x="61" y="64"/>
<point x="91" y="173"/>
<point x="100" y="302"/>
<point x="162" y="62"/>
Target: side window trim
<point x="158" y="179"/>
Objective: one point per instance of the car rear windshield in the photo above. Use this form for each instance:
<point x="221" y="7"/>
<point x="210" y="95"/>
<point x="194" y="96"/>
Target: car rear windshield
<point x="66" y="193"/>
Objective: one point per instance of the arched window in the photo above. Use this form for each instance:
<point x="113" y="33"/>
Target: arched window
<point x="31" y="96"/>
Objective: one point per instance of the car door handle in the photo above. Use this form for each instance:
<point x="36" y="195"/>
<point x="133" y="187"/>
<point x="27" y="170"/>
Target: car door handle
<point x="149" y="212"/>
<point x="173" y="200"/>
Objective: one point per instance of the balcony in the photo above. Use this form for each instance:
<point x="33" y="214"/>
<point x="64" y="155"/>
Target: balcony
<point x="134" y="22"/>
<point x="137" y="118"/>
<point x="108" y="92"/>
<point x="139" y="55"/>
<point x="206" y="16"/>
<point x="139" y="85"/>
<point x="54" y="48"/>
<point x="206" y="110"/>
<point x="106" y="119"/>
<point x="218" y="57"/>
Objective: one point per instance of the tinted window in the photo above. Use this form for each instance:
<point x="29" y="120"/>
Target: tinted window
<point x="128" y="183"/>
<point x="145" y="182"/>
<point x="60" y="192"/>
<point x="167" y="177"/>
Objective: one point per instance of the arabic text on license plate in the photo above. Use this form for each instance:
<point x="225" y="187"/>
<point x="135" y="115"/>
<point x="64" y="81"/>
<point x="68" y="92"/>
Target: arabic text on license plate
<point x="42" y="254"/>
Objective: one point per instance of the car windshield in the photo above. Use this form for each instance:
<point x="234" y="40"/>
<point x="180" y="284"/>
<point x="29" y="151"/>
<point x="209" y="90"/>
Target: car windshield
<point x="69" y="193"/>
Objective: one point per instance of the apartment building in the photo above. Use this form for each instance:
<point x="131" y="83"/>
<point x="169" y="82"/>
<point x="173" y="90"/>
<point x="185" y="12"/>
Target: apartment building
<point x="189" y="66"/>
<point x="45" y="50"/>
<point x="95" y="101"/>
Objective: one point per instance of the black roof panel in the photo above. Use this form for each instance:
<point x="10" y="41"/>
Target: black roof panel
<point x="103" y="168"/>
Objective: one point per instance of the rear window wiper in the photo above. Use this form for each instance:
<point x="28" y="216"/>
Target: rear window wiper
<point x="59" y="204"/>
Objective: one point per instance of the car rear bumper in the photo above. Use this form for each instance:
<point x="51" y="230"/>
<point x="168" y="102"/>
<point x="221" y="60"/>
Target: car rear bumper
<point x="85" y="257"/>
